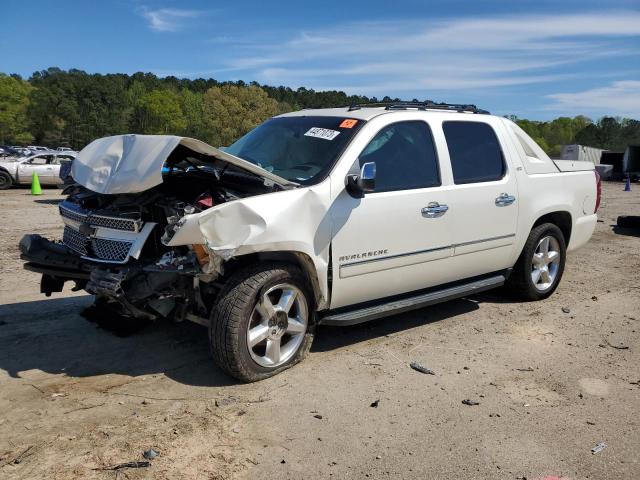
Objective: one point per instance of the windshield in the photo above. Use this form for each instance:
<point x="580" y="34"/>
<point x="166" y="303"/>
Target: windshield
<point x="299" y="149"/>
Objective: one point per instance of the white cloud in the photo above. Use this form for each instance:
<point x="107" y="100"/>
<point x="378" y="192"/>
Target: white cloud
<point x="460" y="54"/>
<point x="167" y="19"/>
<point x="619" y="98"/>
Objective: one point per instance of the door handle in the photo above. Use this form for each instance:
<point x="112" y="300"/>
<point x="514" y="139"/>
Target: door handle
<point x="434" y="210"/>
<point x="504" y="199"/>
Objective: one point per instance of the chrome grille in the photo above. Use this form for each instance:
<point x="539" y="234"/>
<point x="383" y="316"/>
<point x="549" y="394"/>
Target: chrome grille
<point x="75" y="240"/>
<point x="112" y="222"/>
<point x="71" y="214"/>
<point x="116" y="223"/>
<point x="113" y="250"/>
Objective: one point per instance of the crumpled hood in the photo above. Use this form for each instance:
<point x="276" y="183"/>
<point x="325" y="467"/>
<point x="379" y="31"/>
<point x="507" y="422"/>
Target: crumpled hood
<point x="133" y="163"/>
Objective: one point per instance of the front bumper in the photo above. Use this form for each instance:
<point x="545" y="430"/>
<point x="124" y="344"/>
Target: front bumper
<point x="137" y="288"/>
<point x="56" y="262"/>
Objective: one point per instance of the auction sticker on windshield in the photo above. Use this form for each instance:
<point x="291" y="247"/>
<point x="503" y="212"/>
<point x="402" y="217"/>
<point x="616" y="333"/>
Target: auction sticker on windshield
<point x="324" y="133"/>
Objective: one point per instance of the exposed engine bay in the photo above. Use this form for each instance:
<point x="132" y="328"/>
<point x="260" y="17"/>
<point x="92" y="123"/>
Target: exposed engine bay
<point x="115" y="245"/>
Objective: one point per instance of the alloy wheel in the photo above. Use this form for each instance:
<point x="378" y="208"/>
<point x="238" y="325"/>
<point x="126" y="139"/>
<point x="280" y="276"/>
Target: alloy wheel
<point x="277" y="325"/>
<point x="545" y="263"/>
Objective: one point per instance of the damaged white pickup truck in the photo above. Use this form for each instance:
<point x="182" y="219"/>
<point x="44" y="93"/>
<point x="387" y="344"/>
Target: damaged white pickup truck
<point x="332" y="216"/>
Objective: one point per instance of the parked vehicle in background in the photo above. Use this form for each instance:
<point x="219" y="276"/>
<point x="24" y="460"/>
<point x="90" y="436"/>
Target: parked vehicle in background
<point x="7" y="152"/>
<point x="65" y="149"/>
<point x="581" y="153"/>
<point x="65" y="169"/>
<point x="46" y="164"/>
<point x="333" y="216"/>
<point x="37" y="148"/>
<point x="23" y="150"/>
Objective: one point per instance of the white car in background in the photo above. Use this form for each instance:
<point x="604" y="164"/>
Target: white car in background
<point x="46" y="164"/>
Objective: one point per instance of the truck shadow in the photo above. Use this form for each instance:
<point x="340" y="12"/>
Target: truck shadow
<point x="52" y="336"/>
<point x="333" y="337"/>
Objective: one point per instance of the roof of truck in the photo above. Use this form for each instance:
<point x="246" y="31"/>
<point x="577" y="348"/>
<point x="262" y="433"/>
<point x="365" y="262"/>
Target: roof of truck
<point x="368" y="111"/>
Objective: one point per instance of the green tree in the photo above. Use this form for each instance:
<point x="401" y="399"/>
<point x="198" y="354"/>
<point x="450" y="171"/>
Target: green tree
<point x="14" y="101"/>
<point x="191" y="104"/>
<point x="159" y="112"/>
<point x="230" y="111"/>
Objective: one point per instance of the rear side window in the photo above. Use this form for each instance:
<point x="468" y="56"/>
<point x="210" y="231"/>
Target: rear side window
<point x="474" y="151"/>
<point x="405" y="157"/>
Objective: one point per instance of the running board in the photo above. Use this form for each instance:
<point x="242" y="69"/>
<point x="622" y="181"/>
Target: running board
<point x="393" y="307"/>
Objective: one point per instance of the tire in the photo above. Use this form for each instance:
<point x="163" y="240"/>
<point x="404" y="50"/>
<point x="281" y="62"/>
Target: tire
<point x="628" y="221"/>
<point x="242" y="306"/>
<point x="521" y="281"/>
<point x="5" y="180"/>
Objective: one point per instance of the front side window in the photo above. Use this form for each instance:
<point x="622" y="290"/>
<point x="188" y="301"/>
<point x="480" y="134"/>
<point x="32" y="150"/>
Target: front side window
<point x="40" y="160"/>
<point x="474" y="151"/>
<point x="405" y="157"/>
<point x="300" y="149"/>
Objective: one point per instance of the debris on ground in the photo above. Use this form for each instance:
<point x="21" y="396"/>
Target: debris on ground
<point x="422" y="369"/>
<point x="318" y="416"/>
<point x="618" y="346"/>
<point x="470" y="402"/>
<point x="375" y="404"/>
<point x="223" y="402"/>
<point x="125" y="465"/>
<point x="150" y="454"/>
<point x="598" y="448"/>
<point x="528" y="369"/>
<point x="566" y="310"/>
<point x="18" y="458"/>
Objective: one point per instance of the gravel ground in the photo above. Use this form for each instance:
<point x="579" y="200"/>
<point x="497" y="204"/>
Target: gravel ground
<point x="76" y="398"/>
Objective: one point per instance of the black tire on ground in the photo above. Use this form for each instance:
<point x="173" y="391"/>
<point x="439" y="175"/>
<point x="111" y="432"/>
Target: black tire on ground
<point x="5" y="180"/>
<point x="520" y="282"/>
<point x="231" y="316"/>
<point x="628" y="221"/>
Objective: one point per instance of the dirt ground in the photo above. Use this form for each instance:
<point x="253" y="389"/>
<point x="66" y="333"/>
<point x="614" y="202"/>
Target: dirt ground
<point x="76" y="398"/>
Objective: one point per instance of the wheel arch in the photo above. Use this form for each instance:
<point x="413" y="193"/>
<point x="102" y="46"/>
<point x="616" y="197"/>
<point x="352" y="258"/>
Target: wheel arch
<point x="299" y="259"/>
<point x="561" y="218"/>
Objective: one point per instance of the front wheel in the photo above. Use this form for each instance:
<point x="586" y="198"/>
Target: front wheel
<point x="5" y="180"/>
<point x="539" y="269"/>
<point x="262" y="323"/>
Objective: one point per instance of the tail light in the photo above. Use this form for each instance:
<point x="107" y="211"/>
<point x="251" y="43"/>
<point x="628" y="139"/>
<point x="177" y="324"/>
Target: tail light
<point x="598" y="190"/>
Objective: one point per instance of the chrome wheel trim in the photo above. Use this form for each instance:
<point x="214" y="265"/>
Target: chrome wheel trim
<point x="277" y="325"/>
<point x="545" y="263"/>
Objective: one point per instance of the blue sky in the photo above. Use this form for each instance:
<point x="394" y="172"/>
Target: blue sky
<point x="535" y="59"/>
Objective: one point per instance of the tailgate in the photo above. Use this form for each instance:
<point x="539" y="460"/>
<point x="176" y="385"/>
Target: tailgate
<point x="573" y="165"/>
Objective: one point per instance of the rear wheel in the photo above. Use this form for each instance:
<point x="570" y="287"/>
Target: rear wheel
<point x="539" y="269"/>
<point x="5" y="180"/>
<point x="263" y="322"/>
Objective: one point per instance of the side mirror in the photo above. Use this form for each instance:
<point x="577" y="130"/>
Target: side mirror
<point x="358" y="185"/>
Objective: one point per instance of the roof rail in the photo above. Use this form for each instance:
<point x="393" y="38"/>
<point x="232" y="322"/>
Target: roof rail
<point x="428" y="105"/>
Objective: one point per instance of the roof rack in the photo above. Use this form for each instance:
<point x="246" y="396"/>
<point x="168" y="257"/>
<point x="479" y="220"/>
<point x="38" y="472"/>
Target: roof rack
<point x="428" y="105"/>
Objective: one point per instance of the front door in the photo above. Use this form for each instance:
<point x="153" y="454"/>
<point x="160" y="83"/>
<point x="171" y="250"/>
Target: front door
<point x="40" y="164"/>
<point x="396" y="239"/>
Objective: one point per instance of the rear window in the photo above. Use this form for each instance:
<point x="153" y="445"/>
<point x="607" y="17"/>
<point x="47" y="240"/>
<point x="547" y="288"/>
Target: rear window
<point x="475" y="152"/>
<point x="300" y="149"/>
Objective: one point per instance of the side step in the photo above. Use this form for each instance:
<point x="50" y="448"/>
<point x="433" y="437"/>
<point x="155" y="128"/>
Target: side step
<point x="393" y="307"/>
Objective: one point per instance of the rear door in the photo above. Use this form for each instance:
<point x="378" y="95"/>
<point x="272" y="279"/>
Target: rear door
<point x="484" y="202"/>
